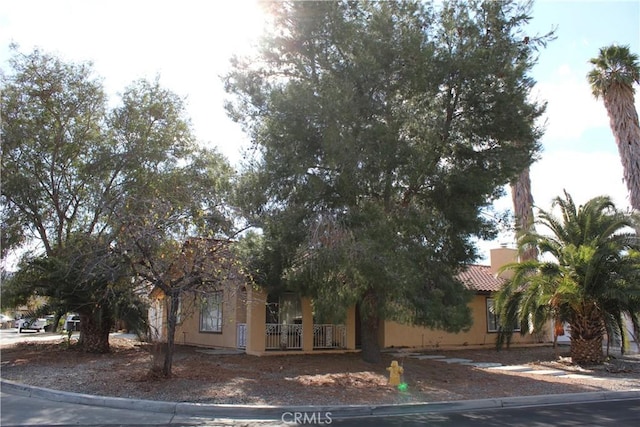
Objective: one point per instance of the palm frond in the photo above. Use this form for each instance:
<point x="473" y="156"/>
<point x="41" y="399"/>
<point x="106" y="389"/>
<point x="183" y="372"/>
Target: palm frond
<point x="591" y="268"/>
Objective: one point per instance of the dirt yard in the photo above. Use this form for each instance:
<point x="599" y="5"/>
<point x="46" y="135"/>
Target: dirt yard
<point x="200" y="376"/>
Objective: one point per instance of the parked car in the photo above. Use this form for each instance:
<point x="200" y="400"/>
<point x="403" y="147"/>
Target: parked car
<point x="48" y="327"/>
<point x="5" y="321"/>
<point x="31" y="324"/>
<point x="72" y="323"/>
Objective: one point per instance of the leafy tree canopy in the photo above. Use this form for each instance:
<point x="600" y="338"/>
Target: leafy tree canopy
<point x="614" y="66"/>
<point x="72" y="165"/>
<point x="129" y="177"/>
<point x="51" y="140"/>
<point x="382" y="130"/>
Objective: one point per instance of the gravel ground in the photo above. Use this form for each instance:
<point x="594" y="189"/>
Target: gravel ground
<point x="200" y="376"/>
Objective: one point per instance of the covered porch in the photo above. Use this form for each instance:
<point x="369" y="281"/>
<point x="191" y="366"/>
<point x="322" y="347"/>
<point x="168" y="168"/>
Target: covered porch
<point x="286" y="324"/>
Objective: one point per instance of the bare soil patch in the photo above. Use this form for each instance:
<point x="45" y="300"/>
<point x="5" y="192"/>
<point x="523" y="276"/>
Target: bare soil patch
<point x="330" y="379"/>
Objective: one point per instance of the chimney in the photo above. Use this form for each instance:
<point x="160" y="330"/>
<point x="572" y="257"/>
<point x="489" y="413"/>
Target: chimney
<point x="502" y="256"/>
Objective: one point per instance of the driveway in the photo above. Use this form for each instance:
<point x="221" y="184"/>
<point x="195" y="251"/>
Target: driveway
<point x="11" y="336"/>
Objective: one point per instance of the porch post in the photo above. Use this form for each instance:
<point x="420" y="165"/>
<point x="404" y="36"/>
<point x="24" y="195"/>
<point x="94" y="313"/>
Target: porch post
<point x="256" y="320"/>
<point x="307" y="324"/>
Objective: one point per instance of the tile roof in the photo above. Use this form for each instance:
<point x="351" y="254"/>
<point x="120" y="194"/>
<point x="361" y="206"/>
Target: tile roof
<point x="479" y="278"/>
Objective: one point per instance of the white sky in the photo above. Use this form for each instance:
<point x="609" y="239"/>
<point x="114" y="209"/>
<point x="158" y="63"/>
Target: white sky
<point x="187" y="44"/>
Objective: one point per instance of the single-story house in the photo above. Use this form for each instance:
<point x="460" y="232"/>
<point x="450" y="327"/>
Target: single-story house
<point x="247" y="318"/>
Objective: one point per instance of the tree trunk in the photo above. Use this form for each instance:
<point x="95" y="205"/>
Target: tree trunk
<point x="623" y="118"/>
<point x="54" y="325"/>
<point x="369" y="331"/>
<point x="523" y="210"/>
<point x="587" y="351"/>
<point x="623" y="335"/>
<point x="172" y="320"/>
<point x="94" y="332"/>
<point x="587" y="334"/>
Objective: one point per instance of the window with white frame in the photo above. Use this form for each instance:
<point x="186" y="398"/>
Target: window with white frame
<point x="493" y="321"/>
<point x="211" y="313"/>
<point x="492" y="318"/>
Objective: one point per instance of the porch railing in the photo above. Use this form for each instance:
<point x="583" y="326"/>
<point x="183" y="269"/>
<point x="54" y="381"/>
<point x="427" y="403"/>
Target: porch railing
<point x="283" y="336"/>
<point x="329" y="336"/>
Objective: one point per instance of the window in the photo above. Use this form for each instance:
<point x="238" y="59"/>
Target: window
<point x="179" y="312"/>
<point x="493" y="321"/>
<point x="211" y="313"/>
<point x="290" y="310"/>
<point x="492" y="317"/>
<point x="284" y="309"/>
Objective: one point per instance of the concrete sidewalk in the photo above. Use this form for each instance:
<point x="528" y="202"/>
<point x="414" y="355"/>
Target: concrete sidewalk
<point x="194" y="413"/>
<point x="493" y="366"/>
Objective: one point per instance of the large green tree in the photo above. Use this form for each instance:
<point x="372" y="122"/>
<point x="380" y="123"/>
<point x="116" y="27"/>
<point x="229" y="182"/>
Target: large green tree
<point x="53" y="144"/>
<point x="70" y="163"/>
<point x="382" y="129"/>
<point x="176" y="236"/>
<point x="72" y="166"/>
<point x="615" y="70"/>
<point x="174" y="219"/>
<point x="587" y="276"/>
<point x="52" y="137"/>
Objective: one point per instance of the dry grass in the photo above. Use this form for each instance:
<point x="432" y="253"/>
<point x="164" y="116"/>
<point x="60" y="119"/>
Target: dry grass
<point x="299" y="380"/>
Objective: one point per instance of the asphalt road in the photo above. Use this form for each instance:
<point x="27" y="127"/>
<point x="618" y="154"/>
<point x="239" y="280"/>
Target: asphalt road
<point x="30" y="411"/>
<point x="619" y="413"/>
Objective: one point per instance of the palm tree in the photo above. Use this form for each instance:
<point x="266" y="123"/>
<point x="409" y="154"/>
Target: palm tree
<point x="587" y="276"/>
<point x="612" y="77"/>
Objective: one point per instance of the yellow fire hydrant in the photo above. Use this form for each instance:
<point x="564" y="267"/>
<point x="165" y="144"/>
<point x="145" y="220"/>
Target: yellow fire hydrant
<point x="395" y="371"/>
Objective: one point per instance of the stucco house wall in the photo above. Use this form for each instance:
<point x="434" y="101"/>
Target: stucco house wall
<point x="189" y="332"/>
<point x="246" y="306"/>
<point x="484" y="280"/>
<point x="398" y="335"/>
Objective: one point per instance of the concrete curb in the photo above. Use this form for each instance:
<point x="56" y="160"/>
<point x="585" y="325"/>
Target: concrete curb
<point x="266" y="412"/>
